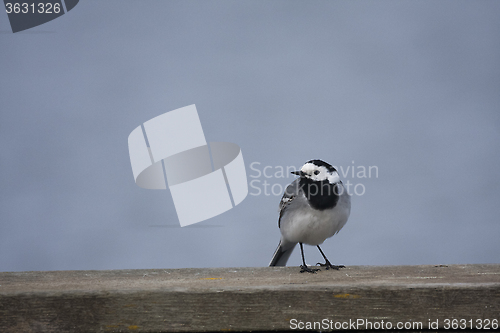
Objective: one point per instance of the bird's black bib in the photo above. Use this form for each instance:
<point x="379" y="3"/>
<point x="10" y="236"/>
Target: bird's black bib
<point x="321" y="194"/>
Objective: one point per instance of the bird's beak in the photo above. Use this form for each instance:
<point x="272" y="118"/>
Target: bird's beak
<point x="298" y="173"/>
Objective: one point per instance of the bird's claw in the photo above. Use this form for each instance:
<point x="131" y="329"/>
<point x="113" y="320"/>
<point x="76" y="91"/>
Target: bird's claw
<point x="328" y="265"/>
<point x="307" y="269"/>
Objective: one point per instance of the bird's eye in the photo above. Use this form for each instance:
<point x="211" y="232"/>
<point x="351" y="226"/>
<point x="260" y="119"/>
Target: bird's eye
<point x="316" y="172"/>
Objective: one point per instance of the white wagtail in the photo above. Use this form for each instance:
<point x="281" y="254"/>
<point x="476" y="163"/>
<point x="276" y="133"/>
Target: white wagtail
<point x="314" y="207"/>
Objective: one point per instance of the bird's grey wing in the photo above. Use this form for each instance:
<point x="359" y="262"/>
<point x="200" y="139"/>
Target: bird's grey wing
<point x="343" y="206"/>
<point x="285" y="248"/>
<point x="291" y="192"/>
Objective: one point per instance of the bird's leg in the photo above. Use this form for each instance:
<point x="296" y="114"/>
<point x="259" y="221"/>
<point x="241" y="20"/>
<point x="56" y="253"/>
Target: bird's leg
<point x="304" y="267"/>
<point x="327" y="263"/>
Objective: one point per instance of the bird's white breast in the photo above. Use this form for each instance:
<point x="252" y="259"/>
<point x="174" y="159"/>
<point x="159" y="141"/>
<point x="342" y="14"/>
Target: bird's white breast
<point x="313" y="227"/>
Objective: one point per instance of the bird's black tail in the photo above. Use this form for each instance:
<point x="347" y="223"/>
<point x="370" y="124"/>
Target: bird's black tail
<point x="282" y="254"/>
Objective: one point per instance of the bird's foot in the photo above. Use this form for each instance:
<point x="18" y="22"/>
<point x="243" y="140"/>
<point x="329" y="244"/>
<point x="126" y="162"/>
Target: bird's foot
<point x="307" y="269"/>
<point x="328" y="265"/>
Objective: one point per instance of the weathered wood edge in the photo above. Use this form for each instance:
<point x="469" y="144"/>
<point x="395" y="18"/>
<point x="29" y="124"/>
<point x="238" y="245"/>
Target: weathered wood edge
<point x="247" y="299"/>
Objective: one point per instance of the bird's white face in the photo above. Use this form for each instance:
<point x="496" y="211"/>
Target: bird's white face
<point x="319" y="173"/>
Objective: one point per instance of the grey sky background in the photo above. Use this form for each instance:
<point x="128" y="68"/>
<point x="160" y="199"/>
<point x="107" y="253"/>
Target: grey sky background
<point x="411" y="87"/>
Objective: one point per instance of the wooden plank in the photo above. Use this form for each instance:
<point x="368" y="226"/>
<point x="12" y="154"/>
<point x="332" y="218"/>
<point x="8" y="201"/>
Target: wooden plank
<point x="245" y="299"/>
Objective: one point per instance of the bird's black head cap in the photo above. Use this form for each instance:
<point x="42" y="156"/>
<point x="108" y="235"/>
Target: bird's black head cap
<point x="322" y="163"/>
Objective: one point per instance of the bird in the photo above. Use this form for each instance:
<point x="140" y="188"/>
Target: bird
<point x="314" y="207"/>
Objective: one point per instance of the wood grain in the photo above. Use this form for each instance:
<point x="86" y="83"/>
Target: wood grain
<point x="244" y="299"/>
